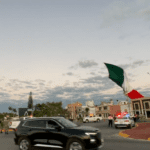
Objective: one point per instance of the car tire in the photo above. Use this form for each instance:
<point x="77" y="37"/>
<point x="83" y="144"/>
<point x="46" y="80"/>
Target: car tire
<point x="72" y="142"/>
<point x="24" y="143"/>
<point x="116" y="127"/>
<point x="87" y="120"/>
<point x="130" y="126"/>
<point x="98" y="120"/>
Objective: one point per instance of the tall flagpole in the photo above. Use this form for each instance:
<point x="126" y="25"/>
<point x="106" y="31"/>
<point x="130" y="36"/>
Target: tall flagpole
<point x="128" y="102"/>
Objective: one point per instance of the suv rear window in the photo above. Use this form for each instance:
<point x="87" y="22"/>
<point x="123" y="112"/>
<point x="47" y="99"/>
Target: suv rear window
<point x="36" y="123"/>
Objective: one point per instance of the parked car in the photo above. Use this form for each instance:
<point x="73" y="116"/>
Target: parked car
<point x="92" y="119"/>
<point x="127" y="122"/>
<point x="56" y="132"/>
<point x="14" y="122"/>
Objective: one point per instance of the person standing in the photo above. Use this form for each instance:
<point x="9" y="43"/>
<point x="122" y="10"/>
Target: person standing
<point x="110" y="120"/>
<point x="135" y="117"/>
<point x="1" y="126"/>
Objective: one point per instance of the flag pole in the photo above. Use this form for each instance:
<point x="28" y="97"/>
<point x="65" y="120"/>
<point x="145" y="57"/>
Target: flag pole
<point x="127" y="102"/>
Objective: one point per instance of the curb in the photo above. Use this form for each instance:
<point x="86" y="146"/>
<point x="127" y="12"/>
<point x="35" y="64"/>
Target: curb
<point x="3" y="130"/>
<point x="127" y="136"/>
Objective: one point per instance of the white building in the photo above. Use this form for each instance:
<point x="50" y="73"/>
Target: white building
<point x="91" y="106"/>
<point x="125" y="107"/>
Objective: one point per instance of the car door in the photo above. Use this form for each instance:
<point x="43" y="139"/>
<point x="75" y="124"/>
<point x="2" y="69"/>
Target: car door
<point x="54" y="135"/>
<point x="37" y="130"/>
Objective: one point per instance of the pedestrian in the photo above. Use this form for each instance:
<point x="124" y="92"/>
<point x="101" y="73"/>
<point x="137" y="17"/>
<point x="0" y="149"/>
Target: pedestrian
<point x="135" y="117"/>
<point x="110" y="120"/>
<point x="1" y="125"/>
<point x="114" y="117"/>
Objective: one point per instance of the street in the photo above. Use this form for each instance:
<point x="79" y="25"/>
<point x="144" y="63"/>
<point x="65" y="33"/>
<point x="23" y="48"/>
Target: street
<point x="111" y="139"/>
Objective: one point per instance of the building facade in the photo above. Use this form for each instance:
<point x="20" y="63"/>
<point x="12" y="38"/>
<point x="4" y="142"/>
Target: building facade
<point x="72" y="108"/>
<point x="126" y="107"/>
<point x="104" y="109"/>
<point x="114" y="109"/>
<point x="141" y="106"/>
<point x="91" y="106"/>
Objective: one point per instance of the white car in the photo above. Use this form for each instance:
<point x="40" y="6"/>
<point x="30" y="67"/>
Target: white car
<point x="14" y="122"/>
<point x="127" y="122"/>
<point x="92" y="119"/>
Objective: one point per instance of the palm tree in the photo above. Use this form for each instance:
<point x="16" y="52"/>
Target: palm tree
<point x="87" y="110"/>
<point x="14" y="110"/>
<point x="9" y="108"/>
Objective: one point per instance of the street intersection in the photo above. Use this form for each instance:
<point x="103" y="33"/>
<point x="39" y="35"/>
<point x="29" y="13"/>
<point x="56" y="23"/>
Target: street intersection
<point x="112" y="141"/>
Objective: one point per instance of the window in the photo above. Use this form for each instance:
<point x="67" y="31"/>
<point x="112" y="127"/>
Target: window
<point x="105" y="107"/>
<point x="66" y="122"/>
<point x="36" y="123"/>
<point x="136" y="106"/>
<point x="99" y="108"/>
<point x="147" y="105"/>
<point x="52" y="124"/>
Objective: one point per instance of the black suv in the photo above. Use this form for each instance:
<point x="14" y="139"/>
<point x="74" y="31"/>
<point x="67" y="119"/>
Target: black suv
<point x="56" y="132"/>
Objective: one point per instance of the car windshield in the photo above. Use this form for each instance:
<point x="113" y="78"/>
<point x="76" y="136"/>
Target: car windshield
<point x="66" y="122"/>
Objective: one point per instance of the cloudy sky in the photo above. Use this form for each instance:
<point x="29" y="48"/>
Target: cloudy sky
<point x="57" y="49"/>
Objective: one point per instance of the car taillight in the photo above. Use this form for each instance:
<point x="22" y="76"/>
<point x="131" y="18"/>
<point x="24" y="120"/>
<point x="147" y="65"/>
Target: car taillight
<point x="116" y="121"/>
<point x="126" y="121"/>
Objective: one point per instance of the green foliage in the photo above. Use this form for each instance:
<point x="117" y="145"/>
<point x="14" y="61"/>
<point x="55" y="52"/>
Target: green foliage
<point x="50" y="109"/>
<point x="87" y="109"/>
<point x="1" y="116"/>
<point x="30" y="101"/>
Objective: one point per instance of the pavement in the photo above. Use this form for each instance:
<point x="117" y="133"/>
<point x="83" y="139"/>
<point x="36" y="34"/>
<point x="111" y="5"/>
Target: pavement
<point x="141" y="131"/>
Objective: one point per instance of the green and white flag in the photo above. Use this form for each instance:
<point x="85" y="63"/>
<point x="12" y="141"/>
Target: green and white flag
<point x="118" y="75"/>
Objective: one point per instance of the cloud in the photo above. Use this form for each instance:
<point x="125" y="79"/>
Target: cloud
<point x="134" y="64"/>
<point x="85" y="64"/>
<point x="69" y="74"/>
<point x="119" y="11"/>
<point x="92" y="73"/>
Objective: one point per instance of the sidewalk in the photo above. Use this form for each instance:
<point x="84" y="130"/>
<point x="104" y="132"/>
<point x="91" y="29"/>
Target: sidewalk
<point x="141" y="131"/>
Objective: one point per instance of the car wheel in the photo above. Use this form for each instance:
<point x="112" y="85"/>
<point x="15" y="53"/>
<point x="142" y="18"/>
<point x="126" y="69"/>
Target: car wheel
<point x="87" y="120"/>
<point x="24" y="144"/>
<point x="75" y="144"/>
<point x="130" y="126"/>
<point x="116" y="127"/>
<point x="98" y="120"/>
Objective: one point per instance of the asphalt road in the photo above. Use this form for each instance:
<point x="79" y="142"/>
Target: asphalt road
<point x="111" y="140"/>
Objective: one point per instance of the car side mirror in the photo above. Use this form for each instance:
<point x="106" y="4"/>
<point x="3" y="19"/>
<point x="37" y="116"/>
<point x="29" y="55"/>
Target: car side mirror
<point x="58" y="127"/>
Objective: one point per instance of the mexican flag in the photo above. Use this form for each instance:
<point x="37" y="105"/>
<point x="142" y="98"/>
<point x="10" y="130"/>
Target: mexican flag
<point x="118" y="75"/>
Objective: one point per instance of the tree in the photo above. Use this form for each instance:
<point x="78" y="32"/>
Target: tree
<point x="87" y="110"/>
<point x="14" y="110"/>
<point x="10" y="108"/>
<point x="30" y="102"/>
<point x="49" y="109"/>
